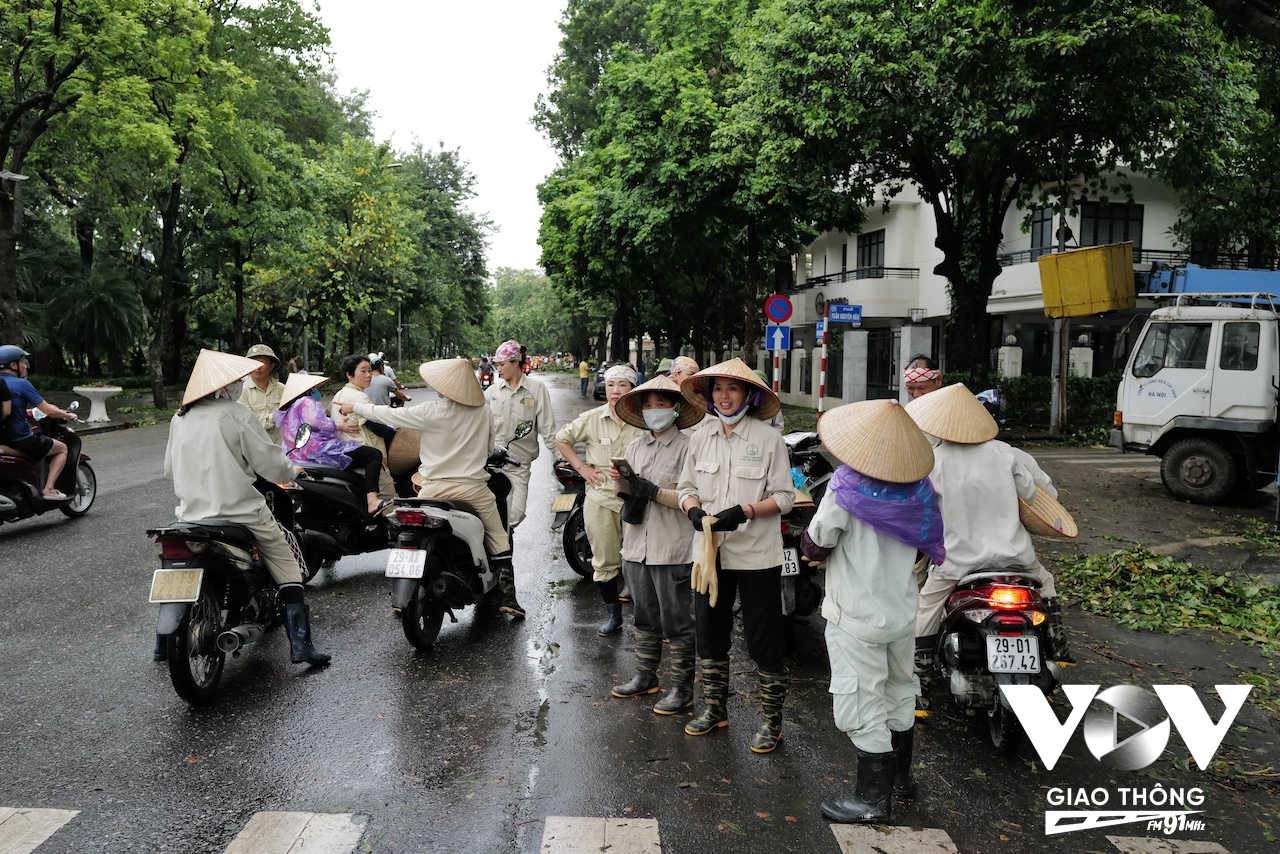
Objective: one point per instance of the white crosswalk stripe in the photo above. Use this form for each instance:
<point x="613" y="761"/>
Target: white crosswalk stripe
<point x="857" y="838"/>
<point x="296" y="832"/>
<point x="576" y="835"/>
<point x="1157" y="845"/>
<point x="22" y="830"/>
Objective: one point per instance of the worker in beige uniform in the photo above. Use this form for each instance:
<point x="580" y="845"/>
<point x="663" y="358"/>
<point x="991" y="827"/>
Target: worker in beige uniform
<point x="455" y="439"/>
<point x="521" y="408"/>
<point x="737" y="471"/>
<point x="605" y="436"/>
<point x="261" y="391"/>
<point x="216" y="452"/>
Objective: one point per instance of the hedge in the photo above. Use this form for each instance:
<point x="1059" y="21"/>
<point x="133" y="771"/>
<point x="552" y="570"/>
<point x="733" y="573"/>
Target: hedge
<point x="1024" y="401"/>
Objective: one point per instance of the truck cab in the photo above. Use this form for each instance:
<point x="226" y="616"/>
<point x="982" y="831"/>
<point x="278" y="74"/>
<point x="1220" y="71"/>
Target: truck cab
<point x="1200" y="392"/>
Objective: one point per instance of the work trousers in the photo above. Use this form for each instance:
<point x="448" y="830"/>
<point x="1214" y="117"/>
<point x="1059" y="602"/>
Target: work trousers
<point x="479" y="497"/>
<point x="604" y="532"/>
<point x="763" y="622"/>
<point x="519" y="496"/>
<point x="873" y="687"/>
<point x="661" y="599"/>
<point x="277" y="552"/>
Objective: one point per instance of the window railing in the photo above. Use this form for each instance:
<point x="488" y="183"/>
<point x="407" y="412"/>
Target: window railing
<point x="1221" y="261"/>
<point x="859" y="273"/>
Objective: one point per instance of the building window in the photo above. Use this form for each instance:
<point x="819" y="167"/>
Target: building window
<point x="1103" y="222"/>
<point x="1042" y="238"/>
<point x="871" y="255"/>
<point x="844" y="256"/>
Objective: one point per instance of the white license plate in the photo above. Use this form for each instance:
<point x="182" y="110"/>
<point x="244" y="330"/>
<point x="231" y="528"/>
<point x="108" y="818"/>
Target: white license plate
<point x="1013" y="654"/>
<point x="564" y="503"/>
<point x="406" y="563"/>
<point x="790" y="562"/>
<point x="176" y="585"/>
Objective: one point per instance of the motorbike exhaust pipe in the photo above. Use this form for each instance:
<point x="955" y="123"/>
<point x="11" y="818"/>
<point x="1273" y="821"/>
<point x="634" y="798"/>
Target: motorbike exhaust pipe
<point x="237" y="636"/>
<point x="7" y="505"/>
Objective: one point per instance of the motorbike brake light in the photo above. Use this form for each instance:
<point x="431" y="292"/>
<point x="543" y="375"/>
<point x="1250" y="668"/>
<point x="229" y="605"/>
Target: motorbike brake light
<point x="172" y="547"/>
<point x="1009" y="597"/>
<point x="410" y="517"/>
<point x="1117" y="419"/>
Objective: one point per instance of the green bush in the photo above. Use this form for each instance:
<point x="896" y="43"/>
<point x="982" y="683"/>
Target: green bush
<point x="1024" y="401"/>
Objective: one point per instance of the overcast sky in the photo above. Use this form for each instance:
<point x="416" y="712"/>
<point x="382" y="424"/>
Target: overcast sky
<point x="467" y="75"/>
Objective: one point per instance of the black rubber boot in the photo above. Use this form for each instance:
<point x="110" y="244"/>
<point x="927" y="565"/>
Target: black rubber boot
<point x="297" y="624"/>
<point x="613" y="622"/>
<point x="161" y="650"/>
<point x="681" y="695"/>
<point x="773" y="693"/>
<point x="904" y="745"/>
<point x="507" y="584"/>
<point x="872" y="794"/>
<point x="926" y="666"/>
<point x="1060" y="648"/>
<point x="648" y="656"/>
<point x="715" y="690"/>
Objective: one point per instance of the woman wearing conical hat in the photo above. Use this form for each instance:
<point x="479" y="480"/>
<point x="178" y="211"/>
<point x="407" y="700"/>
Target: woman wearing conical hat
<point x="979" y="482"/>
<point x="320" y="443"/>
<point x="455" y="439"/>
<point x="879" y="509"/>
<point x="216" y="451"/>
<point x="737" y="472"/>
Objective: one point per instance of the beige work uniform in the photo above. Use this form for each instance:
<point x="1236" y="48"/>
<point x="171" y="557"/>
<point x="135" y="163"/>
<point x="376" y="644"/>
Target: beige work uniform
<point x="263" y="404"/>
<point x="520" y="416"/>
<point x="604" y="438"/>
<point x="353" y="394"/>
<point x="454" y="443"/>
<point x="216" y="452"/>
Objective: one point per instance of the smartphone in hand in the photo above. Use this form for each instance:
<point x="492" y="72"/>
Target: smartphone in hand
<point x="623" y="467"/>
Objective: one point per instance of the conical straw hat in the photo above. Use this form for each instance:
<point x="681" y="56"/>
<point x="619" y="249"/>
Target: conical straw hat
<point x="214" y="370"/>
<point x="630" y="406"/>
<point x="954" y="415"/>
<point x="736" y="369"/>
<point x="454" y="379"/>
<point x="299" y="384"/>
<point x="1045" y="517"/>
<point x="405" y="452"/>
<point x="878" y="439"/>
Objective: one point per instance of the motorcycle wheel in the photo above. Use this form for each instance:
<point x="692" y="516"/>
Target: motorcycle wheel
<point x="195" y="662"/>
<point x="577" y="548"/>
<point x="424" y="615"/>
<point x="1006" y="731"/>
<point x="86" y="491"/>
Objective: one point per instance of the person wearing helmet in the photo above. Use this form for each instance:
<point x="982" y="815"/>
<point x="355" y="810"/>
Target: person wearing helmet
<point x="16" y="432"/>
<point x="387" y="371"/>
<point x="261" y="392"/>
<point x="521" y="408"/>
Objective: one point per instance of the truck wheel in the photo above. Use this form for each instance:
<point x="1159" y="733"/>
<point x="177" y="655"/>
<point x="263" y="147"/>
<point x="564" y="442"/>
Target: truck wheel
<point x="1199" y="470"/>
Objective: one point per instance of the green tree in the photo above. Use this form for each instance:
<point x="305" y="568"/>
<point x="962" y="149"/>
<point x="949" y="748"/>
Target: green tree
<point x="977" y="103"/>
<point x="527" y="308"/>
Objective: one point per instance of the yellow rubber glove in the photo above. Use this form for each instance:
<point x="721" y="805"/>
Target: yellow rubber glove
<point x="703" y="579"/>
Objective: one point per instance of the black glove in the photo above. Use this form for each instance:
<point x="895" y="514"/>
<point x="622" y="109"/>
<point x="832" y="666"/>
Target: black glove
<point x="729" y="520"/>
<point x="634" y="509"/>
<point x="695" y="515"/>
<point x="638" y="487"/>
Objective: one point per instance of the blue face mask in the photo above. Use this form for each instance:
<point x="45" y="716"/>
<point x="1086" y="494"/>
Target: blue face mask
<point x="314" y="394"/>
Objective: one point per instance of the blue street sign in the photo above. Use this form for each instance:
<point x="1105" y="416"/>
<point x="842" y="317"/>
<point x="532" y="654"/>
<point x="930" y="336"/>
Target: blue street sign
<point x="778" y="308"/>
<point x="822" y="331"/>
<point x="838" y="312"/>
<point x="777" y="337"/>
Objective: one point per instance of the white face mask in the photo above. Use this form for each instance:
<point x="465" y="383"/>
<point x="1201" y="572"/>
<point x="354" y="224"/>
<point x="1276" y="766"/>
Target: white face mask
<point x="734" y="418"/>
<point x="658" y="420"/>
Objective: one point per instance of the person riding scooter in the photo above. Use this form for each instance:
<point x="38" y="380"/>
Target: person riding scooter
<point x="14" y="429"/>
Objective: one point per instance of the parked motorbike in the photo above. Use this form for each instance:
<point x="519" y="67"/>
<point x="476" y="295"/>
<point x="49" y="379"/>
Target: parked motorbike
<point x="995" y="632"/>
<point x="22" y="479"/>
<point x="569" y="518"/>
<point x="811" y="469"/>
<point x="438" y="561"/>
<point x="215" y="594"/>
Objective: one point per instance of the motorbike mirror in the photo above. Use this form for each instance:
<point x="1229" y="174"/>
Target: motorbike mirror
<point x="303" y="434"/>
<point x="75" y="404"/>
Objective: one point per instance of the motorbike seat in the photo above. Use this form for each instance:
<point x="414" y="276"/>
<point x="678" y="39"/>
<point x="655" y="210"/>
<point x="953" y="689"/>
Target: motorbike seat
<point x="221" y="530"/>
<point x="351" y="474"/>
<point x="1008" y="575"/>
<point x="8" y="451"/>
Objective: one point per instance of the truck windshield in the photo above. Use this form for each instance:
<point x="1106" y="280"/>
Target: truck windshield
<point x="1172" y="345"/>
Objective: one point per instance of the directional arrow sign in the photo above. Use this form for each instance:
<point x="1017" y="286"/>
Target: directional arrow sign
<point x="777" y="337"/>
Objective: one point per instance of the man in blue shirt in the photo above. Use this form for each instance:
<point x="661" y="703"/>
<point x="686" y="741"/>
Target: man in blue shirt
<point x="14" y="429"/>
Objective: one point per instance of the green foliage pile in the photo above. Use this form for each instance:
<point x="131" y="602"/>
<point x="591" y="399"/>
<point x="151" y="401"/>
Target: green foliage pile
<point x="1151" y="592"/>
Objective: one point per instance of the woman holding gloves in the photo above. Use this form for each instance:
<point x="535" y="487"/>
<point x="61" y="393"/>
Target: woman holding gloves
<point x="736" y="481"/>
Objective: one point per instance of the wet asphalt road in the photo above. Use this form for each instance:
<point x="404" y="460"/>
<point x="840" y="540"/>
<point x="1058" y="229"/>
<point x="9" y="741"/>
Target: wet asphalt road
<point x="467" y="748"/>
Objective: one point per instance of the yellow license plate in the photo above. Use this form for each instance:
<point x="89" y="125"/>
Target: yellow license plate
<point x="563" y="503"/>
<point x="176" y="585"/>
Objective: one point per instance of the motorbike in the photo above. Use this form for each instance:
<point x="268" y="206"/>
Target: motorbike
<point x="22" y="479"/>
<point x="811" y="469"/>
<point x="215" y="594"/>
<point x="569" y="519"/>
<point x="438" y="562"/>
<point x="486" y="379"/>
<point x="995" y="632"/>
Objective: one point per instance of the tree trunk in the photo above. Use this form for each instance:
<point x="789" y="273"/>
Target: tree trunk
<point x="10" y="305"/>
<point x="162" y="333"/>
<point x="755" y="298"/>
<point x="237" y="287"/>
